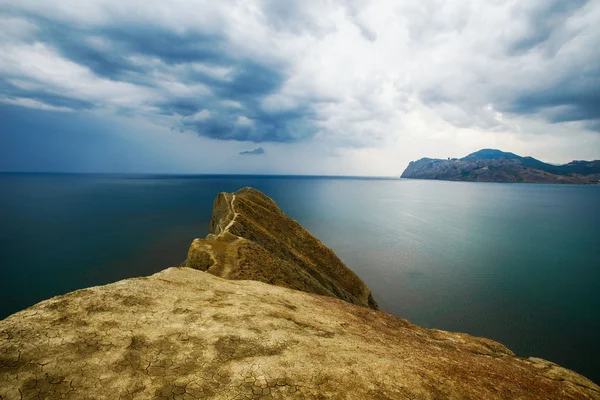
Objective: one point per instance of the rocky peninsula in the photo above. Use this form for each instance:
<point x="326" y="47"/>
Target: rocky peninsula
<point x="491" y="165"/>
<point x="261" y="310"/>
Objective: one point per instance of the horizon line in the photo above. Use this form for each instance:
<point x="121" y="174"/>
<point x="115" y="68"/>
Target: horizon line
<point x="177" y="174"/>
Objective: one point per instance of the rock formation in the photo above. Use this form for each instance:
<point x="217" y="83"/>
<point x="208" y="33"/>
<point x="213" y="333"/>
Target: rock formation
<point x="251" y="238"/>
<point x="490" y="165"/>
<point x="188" y="334"/>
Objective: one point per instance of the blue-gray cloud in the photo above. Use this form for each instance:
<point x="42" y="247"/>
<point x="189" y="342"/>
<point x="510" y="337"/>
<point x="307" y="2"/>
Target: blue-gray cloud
<point x="573" y="92"/>
<point x="12" y="91"/>
<point x="542" y="66"/>
<point x="577" y="98"/>
<point x="247" y="82"/>
<point x="258" y="150"/>
<point x="544" y="22"/>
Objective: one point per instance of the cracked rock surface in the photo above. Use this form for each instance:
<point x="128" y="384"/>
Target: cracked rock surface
<point x="186" y="334"/>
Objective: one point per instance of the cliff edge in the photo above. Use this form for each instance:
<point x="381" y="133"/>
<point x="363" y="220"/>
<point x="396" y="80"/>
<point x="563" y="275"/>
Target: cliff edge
<point x="184" y="333"/>
<point x="252" y="239"/>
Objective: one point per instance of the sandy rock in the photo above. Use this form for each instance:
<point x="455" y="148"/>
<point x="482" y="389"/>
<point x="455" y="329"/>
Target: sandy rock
<point x="186" y="334"/>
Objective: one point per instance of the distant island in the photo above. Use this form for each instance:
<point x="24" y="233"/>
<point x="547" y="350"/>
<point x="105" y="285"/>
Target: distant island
<point x="491" y="165"/>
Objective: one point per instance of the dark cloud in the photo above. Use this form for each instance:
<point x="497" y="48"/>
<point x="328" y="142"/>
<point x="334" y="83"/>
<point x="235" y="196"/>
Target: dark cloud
<point x="286" y="126"/>
<point x="110" y="51"/>
<point x="107" y="49"/>
<point x="544" y="23"/>
<point x="576" y="97"/>
<point x="258" y="150"/>
<point x="182" y="106"/>
<point x="249" y="79"/>
<point x="15" y="92"/>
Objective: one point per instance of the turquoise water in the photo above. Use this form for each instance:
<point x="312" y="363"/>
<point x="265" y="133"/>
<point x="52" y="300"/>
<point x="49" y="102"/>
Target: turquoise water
<point x="516" y="263"/>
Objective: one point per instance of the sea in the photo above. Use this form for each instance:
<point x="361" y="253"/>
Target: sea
<point x="518" y="263"/>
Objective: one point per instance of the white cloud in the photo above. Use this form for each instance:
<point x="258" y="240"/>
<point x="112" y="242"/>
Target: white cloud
<point x="199" y="116"/>
<point x="30" y="103"/>
<point x="244" y="121"/>
<point x="231" y="104"/>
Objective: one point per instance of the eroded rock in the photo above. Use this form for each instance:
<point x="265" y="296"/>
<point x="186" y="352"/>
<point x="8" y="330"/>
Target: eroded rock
<point x="251" y="238"/>
<point x="186" y="334"/>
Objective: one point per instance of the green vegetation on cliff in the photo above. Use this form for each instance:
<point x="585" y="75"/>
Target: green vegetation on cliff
<point x="491" y="165"/>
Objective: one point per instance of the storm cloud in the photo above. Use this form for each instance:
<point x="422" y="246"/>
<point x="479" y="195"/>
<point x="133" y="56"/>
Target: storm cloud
<point x="257" y="151"/>
<point x="344" y="75"/>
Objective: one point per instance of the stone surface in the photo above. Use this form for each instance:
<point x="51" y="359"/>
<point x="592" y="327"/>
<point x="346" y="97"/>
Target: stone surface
<point x="251" y="238"/>
<point x="186" y="334"/>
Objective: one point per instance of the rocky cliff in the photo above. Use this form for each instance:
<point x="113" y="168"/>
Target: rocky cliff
<point x="491" y="165"/>
<point x="189" y="334"/>
<point x="251" y="238"/>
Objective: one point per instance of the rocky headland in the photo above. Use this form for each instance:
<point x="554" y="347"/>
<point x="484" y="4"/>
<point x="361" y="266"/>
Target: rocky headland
<point x="252" y="239"/>
<point x="262" y="310"/>
<point x="490" y="165"/>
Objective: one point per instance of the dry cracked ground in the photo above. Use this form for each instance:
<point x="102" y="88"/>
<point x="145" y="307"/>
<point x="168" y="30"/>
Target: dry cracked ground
<point x="291" y="321"/>
<point x="186" y="334"/>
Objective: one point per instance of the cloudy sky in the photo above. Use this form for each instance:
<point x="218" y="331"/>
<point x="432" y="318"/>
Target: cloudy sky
<point x="343" y="87"/>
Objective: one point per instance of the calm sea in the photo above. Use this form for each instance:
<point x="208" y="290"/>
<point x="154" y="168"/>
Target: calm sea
<point x="516" y="263"/>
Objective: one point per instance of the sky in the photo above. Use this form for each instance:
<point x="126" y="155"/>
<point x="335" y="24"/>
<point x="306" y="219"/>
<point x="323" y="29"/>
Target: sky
<point x="344" y="87"/>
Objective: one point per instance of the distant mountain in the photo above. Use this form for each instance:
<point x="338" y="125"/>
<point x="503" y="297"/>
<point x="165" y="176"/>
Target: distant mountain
<point x="491" y="165"/>
<point x="491" y="154"/>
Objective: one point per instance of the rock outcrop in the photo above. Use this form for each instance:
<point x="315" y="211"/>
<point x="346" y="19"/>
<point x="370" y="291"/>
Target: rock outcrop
<point x="252" y="239"/>
<point x="188" y="334"/>
<point x="491" y="165"/>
